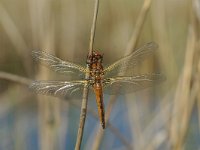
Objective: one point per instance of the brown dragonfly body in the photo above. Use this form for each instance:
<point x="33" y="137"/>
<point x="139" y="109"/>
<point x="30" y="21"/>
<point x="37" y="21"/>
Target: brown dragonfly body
<point x="96" y="75"/>
<point x="115" y="77"/>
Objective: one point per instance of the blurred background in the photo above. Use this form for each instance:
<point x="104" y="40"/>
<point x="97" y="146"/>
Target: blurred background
<point x="165" y="116"/>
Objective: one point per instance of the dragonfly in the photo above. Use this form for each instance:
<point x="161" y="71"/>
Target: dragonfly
<point x="113" y="79"/>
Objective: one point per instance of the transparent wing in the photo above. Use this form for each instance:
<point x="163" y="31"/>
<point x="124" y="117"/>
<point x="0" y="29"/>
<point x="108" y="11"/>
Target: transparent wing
<point x="128" y="62"/>
<point x="57" y="64"/>
<point x="121" y="85"/>
<point x="59" y="88"/>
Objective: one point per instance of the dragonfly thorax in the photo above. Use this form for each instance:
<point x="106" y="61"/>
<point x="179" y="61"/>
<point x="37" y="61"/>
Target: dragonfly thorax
<point x="95" y="67"/>
<point x="96" y="71"/>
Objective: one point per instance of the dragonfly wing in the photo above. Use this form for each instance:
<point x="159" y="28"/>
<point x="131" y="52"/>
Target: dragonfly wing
<point x="122" y="85"/>
<point x="127" y="62"/>
<point x="59" y="88"/>
<point x="57" y="64"/>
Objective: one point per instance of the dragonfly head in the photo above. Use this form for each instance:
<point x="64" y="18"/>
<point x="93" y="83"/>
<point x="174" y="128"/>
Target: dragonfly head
<point x="94" y="58"/>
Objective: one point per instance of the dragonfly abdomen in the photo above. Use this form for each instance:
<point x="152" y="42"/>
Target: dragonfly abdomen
<point x="100" y="105"/>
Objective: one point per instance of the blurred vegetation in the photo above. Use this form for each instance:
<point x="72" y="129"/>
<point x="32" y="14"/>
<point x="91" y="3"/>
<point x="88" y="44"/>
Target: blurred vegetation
<point x="166" y="116"/>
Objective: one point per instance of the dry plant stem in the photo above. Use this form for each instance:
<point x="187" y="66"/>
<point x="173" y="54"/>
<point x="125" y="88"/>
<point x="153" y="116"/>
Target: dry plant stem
<point x="183" y="96"/>
<point x="130" y="47"/>
<point x="164" y="115"/>
<point x="86" y="90"/>
<point x="15" y="37"/>
<point x="138" y="26"/>
<point x="161" y="33"/>
<point x="82" y="118"/>
<point x="198" y="81"/>
<point x="154" y="143"/>
<point x="93" y="28"/>
<point x="187" y="115"/>
<point x="190" y="52"/>
<point x="14" y="78"/>
<point x="198" y="96"/>
<point x="43" y="31"/>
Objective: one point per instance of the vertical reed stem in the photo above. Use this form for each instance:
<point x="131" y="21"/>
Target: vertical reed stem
<point x="85" y="90"/>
